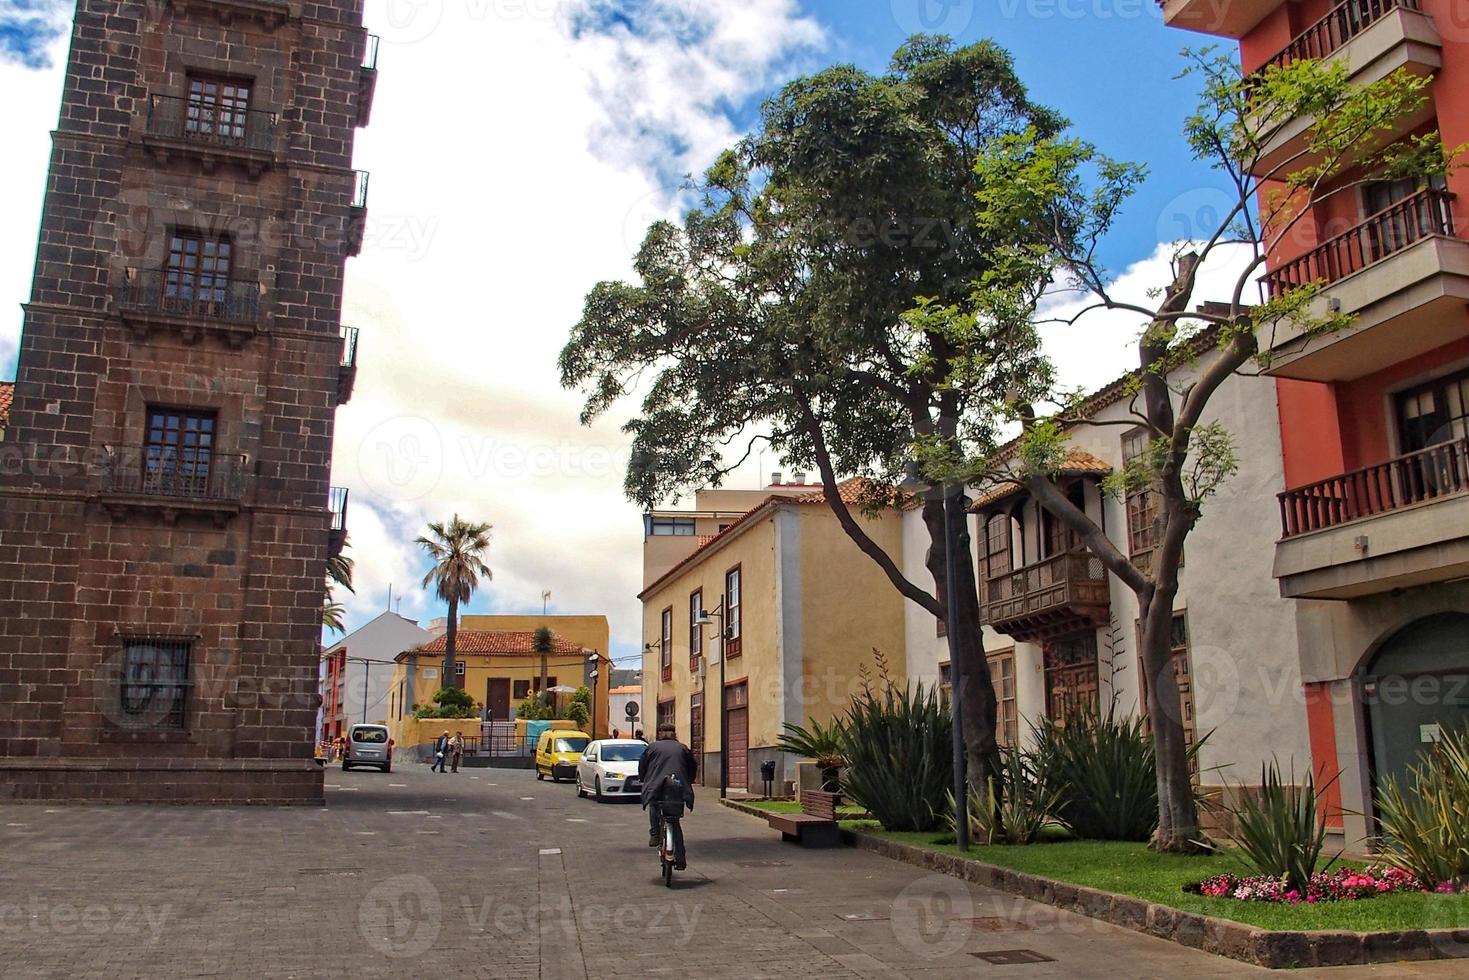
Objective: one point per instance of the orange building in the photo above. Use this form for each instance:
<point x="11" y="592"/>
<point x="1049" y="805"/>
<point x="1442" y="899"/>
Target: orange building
<point x="1374" y="419"/>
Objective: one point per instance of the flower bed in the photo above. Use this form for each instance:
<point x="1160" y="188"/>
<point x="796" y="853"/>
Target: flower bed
<point x="1345" y="885"/>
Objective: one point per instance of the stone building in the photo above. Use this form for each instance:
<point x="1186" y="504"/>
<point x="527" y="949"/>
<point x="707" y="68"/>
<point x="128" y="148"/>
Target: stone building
<point x="165" y="514"/>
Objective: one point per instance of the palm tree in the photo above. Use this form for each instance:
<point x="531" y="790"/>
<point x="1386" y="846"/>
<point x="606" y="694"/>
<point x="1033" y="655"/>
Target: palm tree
<point x="542" y="642"/>
<point x="338" y="572"/>
<point x="457" y="549"/>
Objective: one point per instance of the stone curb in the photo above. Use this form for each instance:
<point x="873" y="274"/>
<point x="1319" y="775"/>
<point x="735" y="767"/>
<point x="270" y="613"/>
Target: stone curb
<point x="1221" y="937"/>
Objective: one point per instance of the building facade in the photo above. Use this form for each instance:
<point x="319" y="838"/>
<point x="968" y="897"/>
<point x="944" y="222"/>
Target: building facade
<point x="804" y="614"/>
<point x="357" y="669"/>
<point x="165" y="514"/>
<point x="1374" y="420"/>
<point x="1061" y="634"/>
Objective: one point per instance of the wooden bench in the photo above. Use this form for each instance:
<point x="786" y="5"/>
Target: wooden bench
<point x="815" y="825"/>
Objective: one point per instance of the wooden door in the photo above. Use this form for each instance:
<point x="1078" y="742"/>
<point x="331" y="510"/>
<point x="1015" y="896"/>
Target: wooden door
<point x="739" y="748"/>
<point x="497" y="698"/>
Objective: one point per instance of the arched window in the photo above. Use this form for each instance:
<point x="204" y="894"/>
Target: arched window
<point x="1416" y="685"/>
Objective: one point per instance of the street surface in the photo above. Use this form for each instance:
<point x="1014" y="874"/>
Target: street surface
<point x="489" y="873"/>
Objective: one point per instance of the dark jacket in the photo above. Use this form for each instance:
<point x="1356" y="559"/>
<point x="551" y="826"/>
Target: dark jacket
<point x="667" y="757"/>
<point x="441" y="745"/>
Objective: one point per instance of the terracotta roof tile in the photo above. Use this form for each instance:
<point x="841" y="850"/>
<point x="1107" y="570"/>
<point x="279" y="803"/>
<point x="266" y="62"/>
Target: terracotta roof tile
<point x="7" y="395"/>
<point x="1078" y="463"/>
<point x="495" y="643"/>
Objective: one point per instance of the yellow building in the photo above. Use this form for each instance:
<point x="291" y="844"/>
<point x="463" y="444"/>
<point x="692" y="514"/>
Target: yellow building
<point x="499" y="667"/>
<point x="804" y="611"/>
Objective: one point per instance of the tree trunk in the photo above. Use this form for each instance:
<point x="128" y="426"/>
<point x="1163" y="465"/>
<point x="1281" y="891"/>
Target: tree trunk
<point x="1178" y="816"/>
<point x="450" y="635"/>
<point x="976" y="690"/>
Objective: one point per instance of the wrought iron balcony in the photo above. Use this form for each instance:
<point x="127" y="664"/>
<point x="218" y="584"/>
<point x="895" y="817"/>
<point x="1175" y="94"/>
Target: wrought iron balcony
<point x="337" y="533"/>
<point x="1438" y="471"/>
<point x="173" y="479"/>
<point x="347" y="369"/>
<point x="357" y="220"/>
<point x="1411" y="220"/>
<point x="367" y="81"/>
<point x="192" y="304"/>
<point x="211" y="131"/>
<point x="1048" y="599"/>
<point x="1332" y="32"/>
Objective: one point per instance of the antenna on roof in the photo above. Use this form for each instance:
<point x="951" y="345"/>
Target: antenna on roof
<point x="545" y="598"/>
<point x="390" y="597"/>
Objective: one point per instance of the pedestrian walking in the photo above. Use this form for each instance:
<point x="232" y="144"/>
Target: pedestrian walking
<point x="441" y="752"/>
<point x="456" y="750"/>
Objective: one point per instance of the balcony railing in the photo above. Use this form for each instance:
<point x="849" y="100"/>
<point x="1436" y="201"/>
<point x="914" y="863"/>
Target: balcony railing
<point x="1425" y="214"/>
<point x="1048" y="598"/>
<point x="369" y="60"/>
<point x="359" y="188"/>
<point x="367" y="81"/>
<point x="167" y="293"/>
<point x="337" y="532"/>
<point x="173" y="473"/>
<point x="1438" y="471"/>
<point x="1332" y="32"/>
<point x="347" y="368"/>
<point x="210" y="124"/>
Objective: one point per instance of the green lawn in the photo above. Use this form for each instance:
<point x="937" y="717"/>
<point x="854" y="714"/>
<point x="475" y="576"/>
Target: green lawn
<point x="1131" y="869"/>
<point x="790" y="806"/>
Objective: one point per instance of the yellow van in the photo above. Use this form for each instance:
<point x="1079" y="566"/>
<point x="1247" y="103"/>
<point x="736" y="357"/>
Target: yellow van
<point x="558" y="752"/>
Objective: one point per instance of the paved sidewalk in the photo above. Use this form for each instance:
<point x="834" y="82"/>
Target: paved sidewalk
<point x="489" y="873"/>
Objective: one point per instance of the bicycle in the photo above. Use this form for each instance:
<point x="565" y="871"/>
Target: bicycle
<point x="670" y="815"/>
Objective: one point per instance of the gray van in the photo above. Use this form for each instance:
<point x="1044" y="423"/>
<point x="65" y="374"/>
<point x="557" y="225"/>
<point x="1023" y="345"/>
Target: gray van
<point x="368" y="745"/>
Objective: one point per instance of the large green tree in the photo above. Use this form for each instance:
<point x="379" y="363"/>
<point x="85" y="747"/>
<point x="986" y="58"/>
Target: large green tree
<point x="1054" y="200"/>
<point x="775" y="311"/>
<point x="458" y="550"/>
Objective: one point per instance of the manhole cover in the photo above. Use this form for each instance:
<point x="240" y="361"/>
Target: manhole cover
<point x="763" y="864"/>
<point x="1012" y="957"/>
<point x="991" y="923"/>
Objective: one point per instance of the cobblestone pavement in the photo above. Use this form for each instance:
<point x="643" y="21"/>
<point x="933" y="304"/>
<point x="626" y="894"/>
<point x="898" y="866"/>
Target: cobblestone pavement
<point x="489" y="873"/>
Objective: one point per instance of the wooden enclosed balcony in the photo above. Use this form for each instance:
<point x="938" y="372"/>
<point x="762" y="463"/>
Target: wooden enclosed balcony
<point x="1402" y="274"/>
<point x="1399" y="523"/>
<point x="1048" y="599"/>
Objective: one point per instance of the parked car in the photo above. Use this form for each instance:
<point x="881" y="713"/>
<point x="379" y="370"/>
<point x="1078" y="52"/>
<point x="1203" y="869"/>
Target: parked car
<point x="557" y="753"/>
<point x="609" y="766"/>
<point x="368" y="745"/>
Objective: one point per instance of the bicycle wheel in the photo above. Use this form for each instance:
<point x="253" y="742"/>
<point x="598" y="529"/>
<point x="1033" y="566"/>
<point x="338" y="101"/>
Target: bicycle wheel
<point x="668" y="874"/>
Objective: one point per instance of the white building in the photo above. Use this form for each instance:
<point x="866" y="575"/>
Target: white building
<point x="362" y="685"/>
<point x="1066" y="632"/>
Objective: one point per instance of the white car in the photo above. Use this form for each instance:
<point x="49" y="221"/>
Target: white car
<point x="609" y="767"/>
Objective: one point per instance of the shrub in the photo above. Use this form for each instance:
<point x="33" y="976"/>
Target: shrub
<point x="1345" y="885"/>
<point x="1279" y="829"/>
<point x="453" y="702"/>
<point x="579" y="709"/>
<point x="1103" y="770"/>
<point x="1426" y="828"/>
<point x="899" y="755"/>
<point x="826" y="746"/>
<point x="1014" y="808"/>
<point x="534" y="708"/>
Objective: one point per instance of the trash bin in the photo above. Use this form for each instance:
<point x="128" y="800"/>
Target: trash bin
<point x="767" y="774"/>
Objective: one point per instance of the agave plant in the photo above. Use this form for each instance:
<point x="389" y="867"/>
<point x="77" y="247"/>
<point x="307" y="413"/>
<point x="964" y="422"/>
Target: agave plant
<point x="1279" y="828"/>
<point x="824" y="745"/>
<point x="1014" y="807"/>
<point x="1103" y="768"/>
<point x="899" y="755"/>
<point x="1425" y="829"/>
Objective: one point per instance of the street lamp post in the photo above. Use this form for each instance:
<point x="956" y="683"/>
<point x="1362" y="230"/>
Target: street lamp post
<point x="952" y="493"/>
<point x="594" y="659"/>
<point x="706" y="619"/>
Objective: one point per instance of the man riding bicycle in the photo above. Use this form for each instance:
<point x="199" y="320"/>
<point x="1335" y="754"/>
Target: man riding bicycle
<point x="667" y="770"/>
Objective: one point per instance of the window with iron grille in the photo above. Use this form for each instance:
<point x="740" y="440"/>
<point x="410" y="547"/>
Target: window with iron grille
<point x="198" y="273"/>
<point x="665" y="644"/>
<point x="178" y="451"/>
<point x="459" y="668"/>
<point x="696" y="632"/>
<point x="153" y="683"/>
<point x="732" y="587"/>
<point x="218" y="108"/>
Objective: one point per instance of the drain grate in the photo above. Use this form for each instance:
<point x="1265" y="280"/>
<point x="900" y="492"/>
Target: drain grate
<point x="1012" y="957"/>
<point x="762" y="864"/>
<point x="991" y="923"/>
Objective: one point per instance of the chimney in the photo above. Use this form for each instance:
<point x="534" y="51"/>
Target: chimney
<point x="775" y="478"/>
<point x="799" y="478"/>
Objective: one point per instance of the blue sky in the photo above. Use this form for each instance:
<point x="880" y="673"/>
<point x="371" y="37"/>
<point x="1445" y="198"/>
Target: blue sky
<point x="595" y="103"/>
